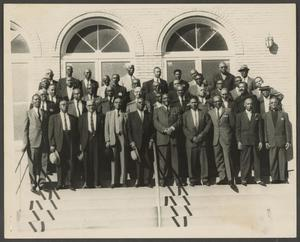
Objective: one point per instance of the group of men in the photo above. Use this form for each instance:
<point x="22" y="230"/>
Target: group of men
<point x="234" y="123"/>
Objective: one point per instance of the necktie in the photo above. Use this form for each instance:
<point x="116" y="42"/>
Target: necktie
<point x="92" y="124"/>
<point x="65" y="122"/>
<point x="78" y="110"/>
<point x="39" y="114"/>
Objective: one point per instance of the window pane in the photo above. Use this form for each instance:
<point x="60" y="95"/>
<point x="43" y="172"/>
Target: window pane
<point x="184" y="65"/>
<point x="110" y="68"/>
<point x="19" y="45"/>
<point x="119" y="44"/>
<point x="176" y="44"/>
<point x="189" y="34"/>
<point x="90" y="35"/>
<point x="79" y="68"/>
<point x="76" y="45"/>
<point x="106" y="34"/>
<point x="211" y="67"/>
<point x="19" y="116"/>
<point x="204" y="32"/>
<point x="215" y="43"/>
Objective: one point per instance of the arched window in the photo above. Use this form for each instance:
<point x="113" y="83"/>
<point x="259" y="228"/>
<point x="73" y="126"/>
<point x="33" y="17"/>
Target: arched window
<point x="195" y="43"/>
<point x="97" y="44"/>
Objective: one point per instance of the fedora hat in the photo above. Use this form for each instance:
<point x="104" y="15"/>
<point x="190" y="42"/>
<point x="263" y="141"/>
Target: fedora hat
<point x="54" y="157"/>
<point x="243" y="67"/>
<point x="133" y="155"/>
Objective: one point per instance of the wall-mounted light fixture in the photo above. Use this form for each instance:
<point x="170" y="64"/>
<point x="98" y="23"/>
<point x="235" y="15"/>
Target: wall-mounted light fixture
<point x="269" y="41"/>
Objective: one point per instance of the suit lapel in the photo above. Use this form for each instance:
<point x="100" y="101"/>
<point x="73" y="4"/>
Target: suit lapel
<point x="223" y="111"/>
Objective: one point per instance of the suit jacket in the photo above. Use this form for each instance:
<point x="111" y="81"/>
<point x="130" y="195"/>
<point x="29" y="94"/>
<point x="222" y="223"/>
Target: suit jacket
<point x="163" y="119"/>
<point x="106" y="105"/>
<point x="223" y="127"/>
<point x="62" y="86"/>
<point x="238" y="104"/>
<point x="139" y="132"/>
<point x="190" y="131"/>
<point x="148" y="86"/>
<point x="227" y="83"/>
<point x="55" y="132"/>
<point x="132" y="106"/>
<point x="184" y="106"/>
<point x="35" y="130"/>
<point x="234" y="94"/>
<point x="251" y="84"/>
<point x="84" y="88"/>
<point x="110" y="126"/>
<point x="72" y="108"/>
<point x="48" y="83"/>
<point x="84" y="130"/>
<point x="279" y="134"/>
<point x="249" y="132"/>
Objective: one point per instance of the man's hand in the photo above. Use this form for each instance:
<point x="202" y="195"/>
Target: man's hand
<point x="150" y="143"/>
<point x="240" y="145"/>
<point x="194" y="139"/>
<point x="268" y="146"/>
<point x="107" y="145"/>
<point x="260" y="145"/>
<point x="52" y="148"/>
<point x="287" y="145"/>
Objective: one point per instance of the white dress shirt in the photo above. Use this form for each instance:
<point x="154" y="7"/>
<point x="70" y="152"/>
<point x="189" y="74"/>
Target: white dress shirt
<point x="195" y="117"/>
<point x="141" y="114"/>
<point x="94" y="121"/>
<point x="52" y="98"/>
<point x="78" y="105"/>
<point x="220" y="111"/>
<point x="266" y="103"/>
<point x="223" y="76"/>
<point x="70" y="92"/>
<point x="44" y="105"/>
<point x="67" y="121"/>
<point x="225" y="103"/>
<point x="249" y="114"/>
<point x="87" y="82"/>
<point x="202" y="99"/>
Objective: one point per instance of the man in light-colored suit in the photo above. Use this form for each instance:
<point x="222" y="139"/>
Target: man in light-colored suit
<point x="278" y="140"/>
<point x="196" y="125"/>
<point x="223" y="124"/>
<point x="115" y="136"/>
<point x="35" y="141"/>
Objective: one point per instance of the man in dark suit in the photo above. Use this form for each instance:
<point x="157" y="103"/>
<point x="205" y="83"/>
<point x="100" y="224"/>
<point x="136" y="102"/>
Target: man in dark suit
<point x="278" y="141"/>
<point x="225" y="76"/>
<point x="77" y="106"/>
<point x="223" y="126"/>
<point x="47" y="80"/>
<point x="90" y="127"/>
<point x="132" y="106"/>
<point x="177" y="77"/>
<point x="140" y="136"/>
<point x="249" y="136"/>
<point x="115" y="138"/>
<point x="167" y="122"/>
<point x="47" y="105"/>
<point x="218" y="87"/>
<point x="180" y="99"/>
<point x="53" y="98"/>
<point x="105" y="83"/>
<point x="35" y="141"/>
<point x="196" y="125"/>
<point x="238" y="104"/>
<point x="235" y="93"/>
<point x="88" y="81"/>
<point x="69" y="80"/>
<point x="119" y="91"/>
<point x="204" y="103"/>
<point x="63" y="137"/>
<point x="107" y="103"/>
<point x="162" y="84"/>
<point x="245" y="78"/>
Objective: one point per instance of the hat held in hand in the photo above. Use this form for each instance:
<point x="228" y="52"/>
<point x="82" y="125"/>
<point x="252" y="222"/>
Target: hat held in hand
<point x="54" y="157"/>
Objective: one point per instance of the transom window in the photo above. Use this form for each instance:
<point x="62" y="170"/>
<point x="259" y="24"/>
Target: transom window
<point x="195" y="37"/>
<point x="97" y="38"/>
<point x="18" y="42"/>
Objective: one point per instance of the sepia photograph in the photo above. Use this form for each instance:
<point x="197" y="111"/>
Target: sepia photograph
<point x="150" y="121"/>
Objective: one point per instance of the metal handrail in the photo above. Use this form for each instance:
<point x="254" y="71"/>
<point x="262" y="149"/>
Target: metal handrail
<point x="19" y="163"/>
<point x="156" y="178"/>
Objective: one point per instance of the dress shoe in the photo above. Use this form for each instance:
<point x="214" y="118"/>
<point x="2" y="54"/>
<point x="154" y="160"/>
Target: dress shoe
<point x="244" y="183"/>
<point x="162" y="183"/>
<point x="284" y="182"/>
<point x="98" y="186"/>
<point x="184" y="183"/>
<point x="150" y="185"/>
<point x="113" y="185"/>
<point x="58" y="187"/>
<point x="261" y="183"/>
<point x="192" y="184"/>
<point x="220" y="181"/>
<point x="205" y="183"/>
<point x="84" y="186"/>
<point x="33" y="188"/>
<point x="123" y="185"/>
